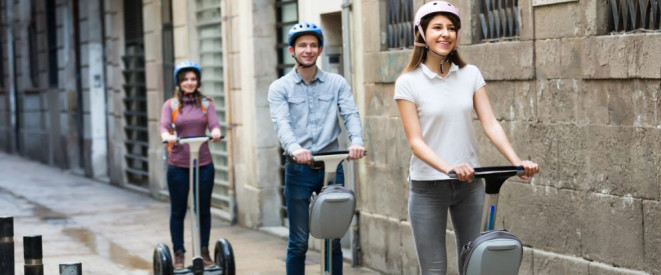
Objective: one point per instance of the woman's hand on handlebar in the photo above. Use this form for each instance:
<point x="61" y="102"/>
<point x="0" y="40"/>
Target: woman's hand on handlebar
<point x="530" y="168"/>
<point x="356" y="152"/>
<point x="464" y="171"/>
<point x="171" y="139"/>
<point x="215" y="135"/>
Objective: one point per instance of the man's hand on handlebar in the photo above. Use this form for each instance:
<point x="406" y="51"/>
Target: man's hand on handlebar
<point x="356" y="152"/>
<point x="530" y="168"/>
<point x="302" y="156"/>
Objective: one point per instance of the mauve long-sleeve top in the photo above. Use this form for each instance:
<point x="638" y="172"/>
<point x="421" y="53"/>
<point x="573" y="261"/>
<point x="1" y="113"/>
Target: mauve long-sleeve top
<point x="190" y="121"/>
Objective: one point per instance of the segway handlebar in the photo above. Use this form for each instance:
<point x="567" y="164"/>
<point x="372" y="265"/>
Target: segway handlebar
<point x="494" y="171"/>
<point x="494" y="176"/>
<point x="179" y="139"/>
<point x="331" y="153"/>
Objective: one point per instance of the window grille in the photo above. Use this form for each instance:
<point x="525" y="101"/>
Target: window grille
<point x="286" y="16"/>
<point x="499" y="19"/>
<point x="209" y="27"/>
<point x="631" y="15"/>
<point x="399" y="24"/>
<point x="136" y="131"/>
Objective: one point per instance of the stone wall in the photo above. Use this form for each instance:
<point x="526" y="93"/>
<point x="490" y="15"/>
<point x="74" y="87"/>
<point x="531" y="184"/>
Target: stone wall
<point x="582" y="103"/>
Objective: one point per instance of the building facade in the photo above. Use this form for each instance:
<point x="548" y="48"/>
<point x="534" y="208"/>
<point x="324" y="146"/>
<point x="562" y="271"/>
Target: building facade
<point x="575" y="84"/>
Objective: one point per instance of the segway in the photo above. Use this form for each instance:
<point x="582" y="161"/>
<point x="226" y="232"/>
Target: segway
<point x="223" y="254"/>
<point x="494" y="251"/>
<point x="332" y="209"/>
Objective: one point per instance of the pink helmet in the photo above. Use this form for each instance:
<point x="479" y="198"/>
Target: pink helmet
<point x="429" y="8"/>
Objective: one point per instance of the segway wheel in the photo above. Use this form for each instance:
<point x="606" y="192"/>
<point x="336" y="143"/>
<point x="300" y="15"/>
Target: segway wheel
<point x="224" y="256"/>
<point x="162" y="260"/>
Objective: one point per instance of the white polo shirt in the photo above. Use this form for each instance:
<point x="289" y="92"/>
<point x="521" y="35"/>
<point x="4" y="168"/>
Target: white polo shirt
<point x="445" y="109"/>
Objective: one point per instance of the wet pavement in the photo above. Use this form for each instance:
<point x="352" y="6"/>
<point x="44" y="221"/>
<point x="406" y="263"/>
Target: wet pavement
<point x="112" y="230"/>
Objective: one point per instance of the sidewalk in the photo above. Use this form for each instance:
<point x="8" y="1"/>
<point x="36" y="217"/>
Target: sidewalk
<point x="111" y="230"/>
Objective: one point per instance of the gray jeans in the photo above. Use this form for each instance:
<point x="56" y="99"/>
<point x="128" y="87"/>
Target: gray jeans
<point x="429" y="202"/>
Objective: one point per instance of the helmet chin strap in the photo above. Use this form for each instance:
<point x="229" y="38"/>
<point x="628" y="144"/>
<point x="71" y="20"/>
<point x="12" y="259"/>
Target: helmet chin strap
<point x="301" y="64"/>
<point x="443" y="58"/>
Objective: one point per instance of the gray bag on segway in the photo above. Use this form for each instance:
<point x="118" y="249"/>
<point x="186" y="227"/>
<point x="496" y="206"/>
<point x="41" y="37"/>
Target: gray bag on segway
<point x="331" y="212"/>
<point x="494" y="252"/>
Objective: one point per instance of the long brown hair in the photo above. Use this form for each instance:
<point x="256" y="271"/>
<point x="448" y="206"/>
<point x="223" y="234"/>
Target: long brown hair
<point x="197" y="95"/>
<point x="419" y="54"/>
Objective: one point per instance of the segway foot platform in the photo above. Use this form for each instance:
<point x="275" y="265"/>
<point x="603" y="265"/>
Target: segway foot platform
<point x="214" y="270"/>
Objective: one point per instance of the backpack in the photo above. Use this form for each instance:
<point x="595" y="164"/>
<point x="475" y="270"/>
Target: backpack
<point x="174" y="106"/>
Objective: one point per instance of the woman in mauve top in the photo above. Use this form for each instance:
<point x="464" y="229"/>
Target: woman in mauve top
<point x="195" y="114"/>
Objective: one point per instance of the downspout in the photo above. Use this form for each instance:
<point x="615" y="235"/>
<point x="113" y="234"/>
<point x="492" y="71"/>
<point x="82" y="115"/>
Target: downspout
<point x="11" y="65"/>
<point x="346" y="64"/>
<point x="102" y="11"/>
<point x="79" y="88"/>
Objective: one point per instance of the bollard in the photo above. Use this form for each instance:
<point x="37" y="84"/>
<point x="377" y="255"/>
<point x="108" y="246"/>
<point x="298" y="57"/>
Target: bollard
<point x="32" y="254"/>
<point x="71" y="269"/>
<point x="7" y="246"/>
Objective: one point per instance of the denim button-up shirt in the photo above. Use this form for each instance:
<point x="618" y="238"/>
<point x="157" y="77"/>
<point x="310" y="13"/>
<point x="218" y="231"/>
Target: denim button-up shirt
<point x="305" y="114"/>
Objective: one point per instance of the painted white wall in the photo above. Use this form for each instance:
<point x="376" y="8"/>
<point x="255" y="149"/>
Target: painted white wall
<point x="310" y="10"/>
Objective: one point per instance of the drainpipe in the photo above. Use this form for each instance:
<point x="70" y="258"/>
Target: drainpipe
<point x="346" y="63"/>
<point x="11" y="65"/>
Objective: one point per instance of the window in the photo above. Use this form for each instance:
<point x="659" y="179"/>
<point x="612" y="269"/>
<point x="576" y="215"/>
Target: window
<point x="286" y="16"/>
<point x="498" y="19"/>
<point x="399" y="24"/>
<point x="634" y="15"/>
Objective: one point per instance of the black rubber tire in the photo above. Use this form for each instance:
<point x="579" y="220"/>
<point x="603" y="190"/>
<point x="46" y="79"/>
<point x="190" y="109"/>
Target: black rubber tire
<point x="162" y="260"/>
<point x="224" y="256"/>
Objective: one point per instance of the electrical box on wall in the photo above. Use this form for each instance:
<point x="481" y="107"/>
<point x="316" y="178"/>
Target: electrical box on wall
<point x="332" y="61"/>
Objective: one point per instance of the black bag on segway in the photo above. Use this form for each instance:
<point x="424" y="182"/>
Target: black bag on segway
<point x="494" y="252"/>
<point x="331" y="212"/>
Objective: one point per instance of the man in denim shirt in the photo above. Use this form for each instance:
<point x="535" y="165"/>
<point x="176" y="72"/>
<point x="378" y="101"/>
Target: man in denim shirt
<point x="304" y="105"/>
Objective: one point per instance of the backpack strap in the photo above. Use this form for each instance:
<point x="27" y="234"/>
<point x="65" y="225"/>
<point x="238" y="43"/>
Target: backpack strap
<point x="174" y="106"/>
<point x="205" y="107"/>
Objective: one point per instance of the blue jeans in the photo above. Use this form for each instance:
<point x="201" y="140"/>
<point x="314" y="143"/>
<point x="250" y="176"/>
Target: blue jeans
<point x="300" y="182"/>
<point x="429" y="202"/>
<point x="178" y="187"/>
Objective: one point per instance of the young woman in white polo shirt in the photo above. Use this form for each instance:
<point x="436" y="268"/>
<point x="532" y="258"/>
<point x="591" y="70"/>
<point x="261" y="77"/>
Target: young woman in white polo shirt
<point x="436" y="95"/>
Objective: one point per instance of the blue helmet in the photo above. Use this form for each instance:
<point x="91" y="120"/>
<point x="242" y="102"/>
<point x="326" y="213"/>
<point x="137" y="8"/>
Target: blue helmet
<point x="187" y="65"/>
<point x="305" y="28"/>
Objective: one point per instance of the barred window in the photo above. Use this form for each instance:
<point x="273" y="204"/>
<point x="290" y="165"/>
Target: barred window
<point x="634" y="15"/>
<point x="499" y="19"/>
<point x="399" y="24"/>
<point x="286" y="16"/>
